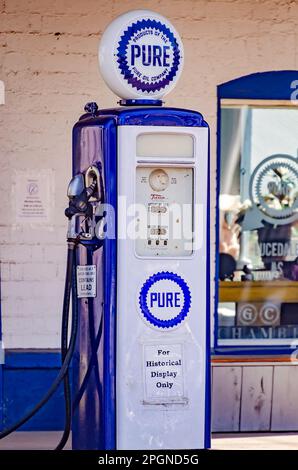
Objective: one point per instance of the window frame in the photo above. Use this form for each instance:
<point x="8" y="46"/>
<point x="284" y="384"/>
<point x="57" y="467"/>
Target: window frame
<point x="275" y="88"/>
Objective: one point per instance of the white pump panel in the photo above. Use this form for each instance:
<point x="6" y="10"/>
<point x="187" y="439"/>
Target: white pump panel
<point x="161" y="291"/>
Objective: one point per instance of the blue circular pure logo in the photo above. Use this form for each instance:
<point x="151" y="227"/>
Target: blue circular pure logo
<point x="148" y="55"/>
<point x="165" y="300"/>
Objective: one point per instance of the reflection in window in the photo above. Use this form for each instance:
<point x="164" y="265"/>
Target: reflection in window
<point x="258" y="241"/>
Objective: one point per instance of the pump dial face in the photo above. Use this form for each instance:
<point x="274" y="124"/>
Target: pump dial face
<point x="159" y="180"/>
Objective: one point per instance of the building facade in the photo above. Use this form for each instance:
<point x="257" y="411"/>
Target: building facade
<point x="49" y="66"/>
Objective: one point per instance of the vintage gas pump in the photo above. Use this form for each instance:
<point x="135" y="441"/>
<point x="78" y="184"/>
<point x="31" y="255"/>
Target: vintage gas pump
<point x="141" y="366"/>
<point x="138" y="256"/>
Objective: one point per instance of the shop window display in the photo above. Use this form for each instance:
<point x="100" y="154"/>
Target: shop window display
<point x="258" y="221"/>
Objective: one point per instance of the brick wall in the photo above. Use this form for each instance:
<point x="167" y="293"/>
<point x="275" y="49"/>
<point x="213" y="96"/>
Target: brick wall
<point x="48" y="61"/>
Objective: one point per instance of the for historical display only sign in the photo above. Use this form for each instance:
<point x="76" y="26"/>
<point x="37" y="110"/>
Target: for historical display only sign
<point x="163" y="374"/>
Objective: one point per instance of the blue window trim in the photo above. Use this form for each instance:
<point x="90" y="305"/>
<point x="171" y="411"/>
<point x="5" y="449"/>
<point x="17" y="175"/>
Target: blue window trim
<point x="271" y="85"/>
<point x="260" y="86"/>
<point x="248" y="351"/>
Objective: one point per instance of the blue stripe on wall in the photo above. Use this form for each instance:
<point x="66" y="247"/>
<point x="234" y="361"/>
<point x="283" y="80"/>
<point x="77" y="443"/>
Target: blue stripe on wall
<point x="1" y="345"/>
<point x="26" y="376"/>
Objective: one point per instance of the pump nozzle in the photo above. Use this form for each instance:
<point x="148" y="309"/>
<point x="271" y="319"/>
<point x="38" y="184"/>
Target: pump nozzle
<point x="81" y="191"/>
<point x="76" y="186"/>
<point x="79" y="197"/>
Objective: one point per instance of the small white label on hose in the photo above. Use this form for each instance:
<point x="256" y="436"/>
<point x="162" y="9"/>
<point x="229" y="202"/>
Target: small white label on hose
<point x="86" y="281"/>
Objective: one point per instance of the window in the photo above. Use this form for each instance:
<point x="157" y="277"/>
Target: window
<point x="258" y="212"/>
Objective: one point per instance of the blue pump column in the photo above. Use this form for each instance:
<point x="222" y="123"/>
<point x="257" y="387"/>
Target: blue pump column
<point x="94" y="143"/>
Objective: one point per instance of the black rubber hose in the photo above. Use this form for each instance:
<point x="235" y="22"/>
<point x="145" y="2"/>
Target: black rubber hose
<point x="70" y="277"/>
<point x="62" y="373"/>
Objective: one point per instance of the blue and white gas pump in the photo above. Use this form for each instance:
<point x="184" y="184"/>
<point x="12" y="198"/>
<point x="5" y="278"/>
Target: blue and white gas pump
<point x="138" y="256"/>
<point x="141" y="367"/>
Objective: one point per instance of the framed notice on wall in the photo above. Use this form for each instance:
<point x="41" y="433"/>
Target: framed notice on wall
<point x="33" y="197"/>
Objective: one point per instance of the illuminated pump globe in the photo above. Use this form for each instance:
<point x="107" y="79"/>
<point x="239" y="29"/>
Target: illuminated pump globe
<point x="141" y="55"/>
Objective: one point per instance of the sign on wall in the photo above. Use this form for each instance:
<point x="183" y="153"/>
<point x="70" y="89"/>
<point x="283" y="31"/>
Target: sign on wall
<point x="34" y="197"/>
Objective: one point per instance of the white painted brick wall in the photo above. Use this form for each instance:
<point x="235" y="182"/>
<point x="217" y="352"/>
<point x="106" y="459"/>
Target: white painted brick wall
<point x="50" y="76"/>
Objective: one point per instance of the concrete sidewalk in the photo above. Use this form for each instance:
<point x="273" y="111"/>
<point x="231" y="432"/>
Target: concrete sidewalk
<point x="35" y="440"/>
<point x="240" y="441"/>
<point x="255" y="441"/>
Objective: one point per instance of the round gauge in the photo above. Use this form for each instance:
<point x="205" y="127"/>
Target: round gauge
<point x="159" y="180"/>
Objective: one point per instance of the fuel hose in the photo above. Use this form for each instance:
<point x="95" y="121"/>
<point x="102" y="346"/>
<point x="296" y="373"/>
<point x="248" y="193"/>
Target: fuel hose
<point x="69" y="287"/>
<point x="67" y="351"/>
